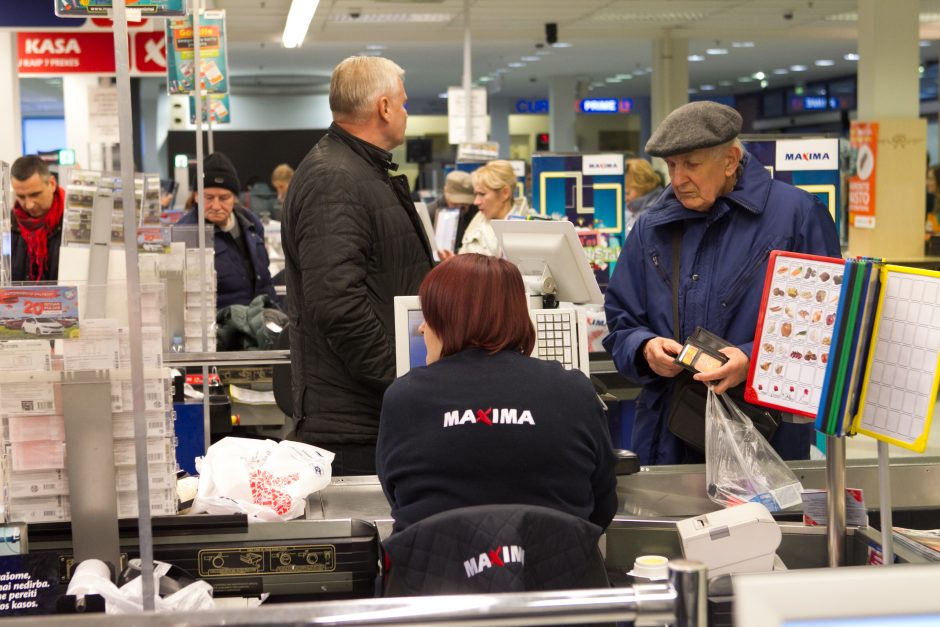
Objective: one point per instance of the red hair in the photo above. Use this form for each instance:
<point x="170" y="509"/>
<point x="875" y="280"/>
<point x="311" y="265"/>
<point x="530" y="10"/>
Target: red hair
<point x="476" y="301"/>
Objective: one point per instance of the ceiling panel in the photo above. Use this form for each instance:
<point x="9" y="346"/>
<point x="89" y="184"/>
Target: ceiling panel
<point x="607" y="36"/>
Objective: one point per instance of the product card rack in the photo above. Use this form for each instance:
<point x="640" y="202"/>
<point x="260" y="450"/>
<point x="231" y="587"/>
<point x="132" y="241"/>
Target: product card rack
<point x="854" y="344"/>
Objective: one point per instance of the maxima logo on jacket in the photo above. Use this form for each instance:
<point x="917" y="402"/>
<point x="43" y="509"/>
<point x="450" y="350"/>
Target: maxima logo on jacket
<point x="500" y="556"/>
<point x="489" y="417"/>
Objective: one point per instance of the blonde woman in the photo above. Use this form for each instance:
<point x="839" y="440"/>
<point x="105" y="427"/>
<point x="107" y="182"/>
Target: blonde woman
<point x="493" y="187"/>
<point x="643" y="186"/>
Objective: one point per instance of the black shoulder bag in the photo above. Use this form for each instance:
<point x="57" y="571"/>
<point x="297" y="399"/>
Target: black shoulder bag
<point x="686" y="418"/>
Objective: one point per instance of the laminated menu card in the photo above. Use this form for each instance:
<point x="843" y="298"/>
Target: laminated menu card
<point x="794" y="332"/>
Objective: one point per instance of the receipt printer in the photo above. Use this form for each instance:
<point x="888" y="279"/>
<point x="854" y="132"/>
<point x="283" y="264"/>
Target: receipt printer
<point x="740" y="539"/>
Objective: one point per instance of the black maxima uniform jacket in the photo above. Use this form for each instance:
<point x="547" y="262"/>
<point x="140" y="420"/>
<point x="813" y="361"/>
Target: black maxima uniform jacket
<point x="352" y="241"/>
<point x="480" y="429"/>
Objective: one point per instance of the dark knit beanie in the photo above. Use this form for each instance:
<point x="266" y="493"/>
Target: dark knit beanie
<point x="218" y="171"/>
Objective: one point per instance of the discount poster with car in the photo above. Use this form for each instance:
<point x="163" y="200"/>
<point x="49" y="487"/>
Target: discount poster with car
<point x="864" y="140"/>
<point x="213" y="54"/>
<point x="48" y="311"/>
<point x="84" y="8"/>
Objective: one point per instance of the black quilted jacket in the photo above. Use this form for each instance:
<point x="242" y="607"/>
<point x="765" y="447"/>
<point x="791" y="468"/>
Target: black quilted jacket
<point x="352" y="242"/>
<point x="494" y="548"/>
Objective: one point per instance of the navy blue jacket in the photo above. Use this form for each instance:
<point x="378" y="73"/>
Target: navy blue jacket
<point x="723" y="263"/>
<point x="233" y="285"/>
<point x="481" y="429"/>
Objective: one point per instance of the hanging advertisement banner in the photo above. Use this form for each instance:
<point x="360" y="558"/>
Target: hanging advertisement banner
<point x="864" y="140"/>
<point x="213" y="54"/>
<point x="216" y="104"/>
<point x="56" y="53"/>
<point x="84" y="8"/>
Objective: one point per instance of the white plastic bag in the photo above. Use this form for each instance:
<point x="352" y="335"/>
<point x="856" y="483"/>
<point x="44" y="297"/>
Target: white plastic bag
<point x="267" y="480"/>
<point x="740" y="465"/>
<point x="93" y="577"/>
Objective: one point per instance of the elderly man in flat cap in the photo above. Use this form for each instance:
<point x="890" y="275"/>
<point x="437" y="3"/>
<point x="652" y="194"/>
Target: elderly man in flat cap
<point x="719" y="219"/>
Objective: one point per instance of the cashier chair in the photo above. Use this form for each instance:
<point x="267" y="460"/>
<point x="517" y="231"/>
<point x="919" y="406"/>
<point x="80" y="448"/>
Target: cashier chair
<point x="494" y="548"/>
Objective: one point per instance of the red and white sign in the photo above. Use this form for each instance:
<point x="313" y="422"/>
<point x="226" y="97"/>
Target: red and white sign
<point x="150" y="52"/>
<point x="55" y="53"/>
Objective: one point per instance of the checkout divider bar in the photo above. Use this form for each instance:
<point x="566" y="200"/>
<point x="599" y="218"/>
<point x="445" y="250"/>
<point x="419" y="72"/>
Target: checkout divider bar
<point x="653" y="602"/>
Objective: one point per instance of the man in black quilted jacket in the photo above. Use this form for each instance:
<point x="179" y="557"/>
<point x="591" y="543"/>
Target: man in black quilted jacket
<point x="352" y="242"/>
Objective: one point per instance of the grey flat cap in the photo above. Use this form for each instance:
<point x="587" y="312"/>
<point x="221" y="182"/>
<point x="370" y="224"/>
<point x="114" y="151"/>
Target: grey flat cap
<point x="692" y="126"/>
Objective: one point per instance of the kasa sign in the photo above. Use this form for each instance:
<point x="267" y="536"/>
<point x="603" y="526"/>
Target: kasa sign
<point x="79" y="53"/>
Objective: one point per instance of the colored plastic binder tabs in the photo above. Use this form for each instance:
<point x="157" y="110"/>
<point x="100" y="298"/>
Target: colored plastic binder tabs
<point x="825" y="418"/>
<point x="863" y="344"/>
<point x="852" y="338"/>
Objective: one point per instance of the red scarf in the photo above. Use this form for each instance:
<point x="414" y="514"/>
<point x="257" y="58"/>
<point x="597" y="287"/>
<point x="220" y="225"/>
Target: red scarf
<point x="36" y="232"/>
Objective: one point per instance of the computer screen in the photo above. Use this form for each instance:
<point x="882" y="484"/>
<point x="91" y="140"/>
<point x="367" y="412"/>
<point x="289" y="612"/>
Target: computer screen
<point x="534" y="246"/>
<point x="410" y="351"/>
<point x="858" y="596"/>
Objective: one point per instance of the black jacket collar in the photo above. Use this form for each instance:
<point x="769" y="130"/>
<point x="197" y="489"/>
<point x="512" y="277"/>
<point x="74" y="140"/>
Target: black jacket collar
<point x="381" y="159"/>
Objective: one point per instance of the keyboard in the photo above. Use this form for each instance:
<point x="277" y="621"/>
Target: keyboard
<point x="561" y="335"/>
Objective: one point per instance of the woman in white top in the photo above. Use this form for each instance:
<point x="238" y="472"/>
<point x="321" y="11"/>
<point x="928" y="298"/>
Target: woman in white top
<point x="493" y="186"/>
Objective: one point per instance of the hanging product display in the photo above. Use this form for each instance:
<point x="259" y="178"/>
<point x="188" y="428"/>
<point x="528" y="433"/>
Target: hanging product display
<point x="83" y="8"/>
<point x="218" y="107"/>
<point x="213" y="62"/>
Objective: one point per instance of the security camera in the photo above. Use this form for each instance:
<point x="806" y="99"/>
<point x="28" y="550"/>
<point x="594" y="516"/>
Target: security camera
<point x="355" y="13"/>
<point x="788" y="15"/>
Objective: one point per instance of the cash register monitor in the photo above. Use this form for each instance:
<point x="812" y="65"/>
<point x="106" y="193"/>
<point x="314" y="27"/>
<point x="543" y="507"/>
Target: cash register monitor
<point x="901" y="595"/>
<point x="410" y="351"/>
<point x="550" y="257"/>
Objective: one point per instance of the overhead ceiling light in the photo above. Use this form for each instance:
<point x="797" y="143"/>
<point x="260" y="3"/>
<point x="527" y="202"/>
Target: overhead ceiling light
<point x="531" y="59"/>
<point x="716" y="51"/>
<point x="561" y="44"/>
<point x="707" y="87"/>
<point x="442" y="95"/>
<point x="759" y="75"/>
<point x="824" y="62"/>
<point x="298" y="21"/>
<point x="625" y="77"/>
<point x="695" y="58"/>
<point x="797" y="68"/>
<point x="725" y="83"/>
<point x="542" y="52"/>
<point x="745" y="79"/>
<point x="612" y="79"/>
<point x="516" y="64"/>
<point x="692" y="90"/>
<point x="763" y="84"/>
<point x="375" y="47"/>
<point x="742" y="44"/>
<point x="920" y="69"/>
<point x="780" y="71"/>
<point x="851" y="56"/>
<point x="598" y="84"/>
<point x="485" y="79"/>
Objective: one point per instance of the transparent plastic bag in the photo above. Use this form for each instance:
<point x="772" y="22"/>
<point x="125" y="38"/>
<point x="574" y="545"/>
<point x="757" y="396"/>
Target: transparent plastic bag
<point x="740" y="465"/>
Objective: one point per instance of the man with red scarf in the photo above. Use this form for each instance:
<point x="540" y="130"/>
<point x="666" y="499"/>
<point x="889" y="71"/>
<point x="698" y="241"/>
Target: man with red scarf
<point x="36" y="232"/>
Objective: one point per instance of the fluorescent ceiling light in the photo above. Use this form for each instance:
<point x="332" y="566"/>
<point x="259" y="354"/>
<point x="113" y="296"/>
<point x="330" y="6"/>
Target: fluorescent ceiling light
<point x="625" y="77"/>
<point x="825" y="62"/>
<point x="780" y="71"/>
<point x="530" y="59"/>
<point x="725" y="83"/>
<point x="851" y="56"/>
<point x="612" y="79"/>
<point x="484" y="79"/>
<point x="692" y="90"/>
<point x="375" y="47"/>
<point x="442" y="95"/>
<point x="759" y="75"/>
<point x="716" y="51"/>
<point x="298" y="21"/>
<point x="542" y="53"/>
<point x="797" y="68"/>
<point x="696" y="57"/>
<point x="516" y="64"/>
<point x="742" y="44"/>
<point x="763" y="84"/>
<point x="745" y="79"/>
<point x="707" y="87"/>
<point x="561" y="44"/>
